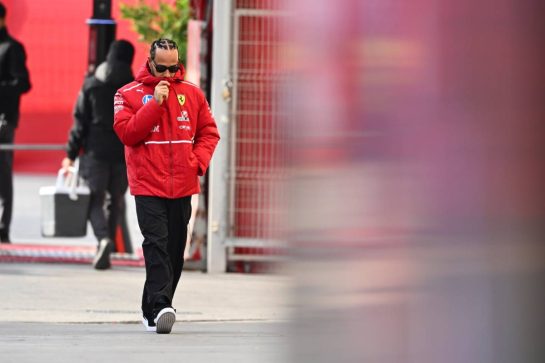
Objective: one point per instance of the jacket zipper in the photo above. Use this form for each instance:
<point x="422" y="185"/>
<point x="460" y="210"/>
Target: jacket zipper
<point x="170" y="149"/>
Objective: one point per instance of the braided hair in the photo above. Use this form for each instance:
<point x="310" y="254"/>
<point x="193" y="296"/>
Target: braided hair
<point x="162" y="43"/>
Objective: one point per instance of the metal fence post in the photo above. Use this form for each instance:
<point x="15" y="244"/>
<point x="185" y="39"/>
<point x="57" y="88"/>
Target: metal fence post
<point x="218" y="226"/>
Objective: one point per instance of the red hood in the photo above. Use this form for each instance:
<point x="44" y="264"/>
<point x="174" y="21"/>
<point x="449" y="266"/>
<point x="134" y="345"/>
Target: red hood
<point x="144" y="76"/>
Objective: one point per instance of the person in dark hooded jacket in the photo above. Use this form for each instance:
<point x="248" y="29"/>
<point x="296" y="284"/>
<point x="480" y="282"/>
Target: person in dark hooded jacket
<point x="102" y="163"/>
<point x="14" y="81"/>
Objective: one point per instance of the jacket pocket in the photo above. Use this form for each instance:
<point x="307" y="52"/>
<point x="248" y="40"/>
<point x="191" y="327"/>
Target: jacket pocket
<point x="193" y="161"/>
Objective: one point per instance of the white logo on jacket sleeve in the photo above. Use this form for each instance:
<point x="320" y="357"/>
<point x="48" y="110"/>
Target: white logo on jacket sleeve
<point x="118" y="103"/>
<point x="155" y="128"/>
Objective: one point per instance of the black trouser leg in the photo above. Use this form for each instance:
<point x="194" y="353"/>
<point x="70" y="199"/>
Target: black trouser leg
<point x="96" y="174"/>
<point x="163" y="223"/>
<point x="153" y="223"/>
<point x="7" y="134"/>
<point x="180" y="213"/>
<point x="116" y="188"/>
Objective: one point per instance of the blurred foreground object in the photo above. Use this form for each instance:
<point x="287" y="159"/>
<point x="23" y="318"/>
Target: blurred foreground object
<point x="417" y="202"/>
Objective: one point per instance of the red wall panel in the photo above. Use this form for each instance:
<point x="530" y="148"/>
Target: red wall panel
<point x="55" y="35"/>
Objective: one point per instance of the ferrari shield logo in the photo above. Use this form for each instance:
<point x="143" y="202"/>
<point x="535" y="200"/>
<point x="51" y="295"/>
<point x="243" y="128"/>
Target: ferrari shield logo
<point x="181" y="99"/>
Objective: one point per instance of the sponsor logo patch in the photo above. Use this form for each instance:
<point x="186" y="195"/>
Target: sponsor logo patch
<point x="181" y="99"/>
<point x="184" y="116"/>
<point x="146" y="99"/>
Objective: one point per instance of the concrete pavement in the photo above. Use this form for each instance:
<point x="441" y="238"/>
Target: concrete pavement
<point x="69" y="293"/>
<point x="233" y="342"/>
<point x="66" y="312"/>
<point x="70" y="312"/>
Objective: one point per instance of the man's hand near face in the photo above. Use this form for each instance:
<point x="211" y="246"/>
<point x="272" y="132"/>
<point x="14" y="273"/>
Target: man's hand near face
<point x="161" y="91"/>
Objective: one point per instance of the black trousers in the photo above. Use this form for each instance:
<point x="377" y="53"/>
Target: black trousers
<point x="163" y="223"/>
<point x="105" y="179"/>
<point x="7" y="134"/>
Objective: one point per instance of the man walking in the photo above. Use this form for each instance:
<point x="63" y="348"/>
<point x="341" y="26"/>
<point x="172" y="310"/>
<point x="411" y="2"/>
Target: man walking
<point x="103" y="161"/>
<point x="14" y="81"/>
<point x="169" y="135"/>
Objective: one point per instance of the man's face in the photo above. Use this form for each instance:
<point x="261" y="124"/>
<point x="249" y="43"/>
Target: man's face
<point x="164" y="59"/>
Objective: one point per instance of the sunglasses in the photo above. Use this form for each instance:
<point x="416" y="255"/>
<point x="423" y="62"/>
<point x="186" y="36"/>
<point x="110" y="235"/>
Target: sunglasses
<point x="162" y="68"/>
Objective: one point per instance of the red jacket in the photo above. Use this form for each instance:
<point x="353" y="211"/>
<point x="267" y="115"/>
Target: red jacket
<point x="166" y="146"/>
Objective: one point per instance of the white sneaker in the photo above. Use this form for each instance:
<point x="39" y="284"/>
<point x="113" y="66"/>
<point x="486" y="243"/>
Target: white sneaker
<point x="165" y="320"/>
<point x="147" y="325"/>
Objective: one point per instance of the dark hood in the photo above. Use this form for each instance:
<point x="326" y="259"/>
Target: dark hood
<point x="115" y="73"/>
<point x="120" y="50"/>
<point x="116" y="70"/>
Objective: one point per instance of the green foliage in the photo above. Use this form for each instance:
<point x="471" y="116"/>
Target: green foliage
<point x="166" y="21"/>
